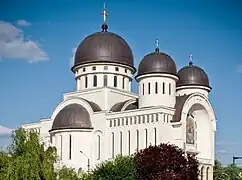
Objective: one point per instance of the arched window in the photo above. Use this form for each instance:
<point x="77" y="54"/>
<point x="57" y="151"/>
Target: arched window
<point x="115" y="81"/>
<point x="202" y="173"/>
<point x="121" y="143"/>
<point x="98" y="147"/>
<point x="123" y="82"/>
<point x="137" y="140"/>
<point x="94" y="80"/>
<point x="155" y="136"/>
<point x="169" y="88"/>
<point x="128" y="142"/>
<point x="148" y="88"/>
<point x="163" y="88"/>
<point x="143" y="89"/>
<point x="70" y="146"/>
<point x="86" y="81"/>
<point x="156" y="87"/>
<point x="146" y="138"/>
<point x="105" y="80"/>
<point x="112" y="145"/>
<point x="207" y="173"/>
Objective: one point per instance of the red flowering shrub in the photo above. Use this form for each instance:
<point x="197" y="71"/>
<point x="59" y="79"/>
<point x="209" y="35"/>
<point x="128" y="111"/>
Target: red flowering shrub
<point x="165" y="162"/>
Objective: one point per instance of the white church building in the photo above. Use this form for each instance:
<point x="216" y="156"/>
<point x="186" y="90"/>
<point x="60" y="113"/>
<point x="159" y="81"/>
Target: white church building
<point x="103" y="118"/>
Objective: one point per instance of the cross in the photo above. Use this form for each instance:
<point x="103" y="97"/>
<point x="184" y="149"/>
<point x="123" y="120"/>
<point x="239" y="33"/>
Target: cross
<point x="105" y="13"/>
<point x="190" y="57"/>
<point x="157" y="43"/>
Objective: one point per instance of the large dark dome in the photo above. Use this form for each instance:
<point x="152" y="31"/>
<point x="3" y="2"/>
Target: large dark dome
<point x="73" y="116"/>
<point x="192" y="75"/>
<point x="104" y="47"/>
<point x="157" y="62"/>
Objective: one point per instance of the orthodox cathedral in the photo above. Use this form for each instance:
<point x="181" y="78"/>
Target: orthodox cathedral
<point x="103" y="118"/>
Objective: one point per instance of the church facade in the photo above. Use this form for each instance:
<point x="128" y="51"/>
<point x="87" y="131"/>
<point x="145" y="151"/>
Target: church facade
<point x="103" y="118"/>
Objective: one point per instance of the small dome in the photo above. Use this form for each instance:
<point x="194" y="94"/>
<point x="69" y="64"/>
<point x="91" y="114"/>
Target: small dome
<point x="73" y="116"/>
<point x="192" y="75"/>
<point x="157" y="62"/>
<point x="104" y="47"/>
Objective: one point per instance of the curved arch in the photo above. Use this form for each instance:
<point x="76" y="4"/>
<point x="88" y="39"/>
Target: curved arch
<point x="127" y="103"/>
<point x="201" y="173"/>
<point x="202" y="100"/>
<point x="67" y="102"/>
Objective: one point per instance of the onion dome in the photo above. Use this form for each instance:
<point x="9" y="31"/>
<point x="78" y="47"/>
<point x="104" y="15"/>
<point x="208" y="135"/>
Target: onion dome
<point x="157" y="62"/>
<point x="73" y="116"/>
<point x="104" y="47"/>
<point x="192" y="76"/>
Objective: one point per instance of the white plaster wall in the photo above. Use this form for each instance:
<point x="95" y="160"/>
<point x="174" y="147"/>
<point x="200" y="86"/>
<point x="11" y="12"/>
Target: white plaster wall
<point x="133" y="122"/>
<point x="158" y="117"/>
<point x="153" y="99"/>
<point x="104" y="97"/>
<point x="81" y="140"/>
<point x="204" y="134"/>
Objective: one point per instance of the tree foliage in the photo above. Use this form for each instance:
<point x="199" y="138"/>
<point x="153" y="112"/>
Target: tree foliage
<point x="67" y="174"/>
<point x="165" y="162"/>
<point x="121" y="168"/>
<point x="230" y="172"/>
<point x="27" y="158"/>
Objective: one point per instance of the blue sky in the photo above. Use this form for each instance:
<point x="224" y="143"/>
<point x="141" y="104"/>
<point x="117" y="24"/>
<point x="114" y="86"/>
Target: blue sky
<point x="35" y="69"/>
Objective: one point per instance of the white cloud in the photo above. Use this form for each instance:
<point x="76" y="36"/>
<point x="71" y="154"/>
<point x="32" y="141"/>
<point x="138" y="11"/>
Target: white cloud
<point x="23" y="23"/>
<point x="225" y="143"/>
<point x="5" y="130"/>
<point x="239" y="68"/>
<point x="72" y="59"/>
<point x="14" y="46"/>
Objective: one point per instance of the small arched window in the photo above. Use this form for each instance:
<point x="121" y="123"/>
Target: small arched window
<point x="86" y="81"/>
<point x="156" y="87"/>
<point x="169" y="88"/>
<point x="70" y="143"/>
<point x="202" y="172"/>
<point x="143" y="89"/>
<point x="148" y="88"/>
<point x="105" y="80"/>
<point x="146" y="138"/>
<point x="207" y="173"/>
<point x="115" y="81"/>
<point x="95" y="81"/>
<point x="163" y="88"/>
<point x="155" y="136"/>
<point x="123" y="82"/>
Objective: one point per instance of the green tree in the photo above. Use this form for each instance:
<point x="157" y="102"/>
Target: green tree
<point x="121" y="168"/>
<point x="27" y="159"/>
<point x="233" y="171"/>
<point x="219" y="172"/>
<point x="165" y="162"/>
<point x="67" y="174"/>
<point x="230" y="172"/>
